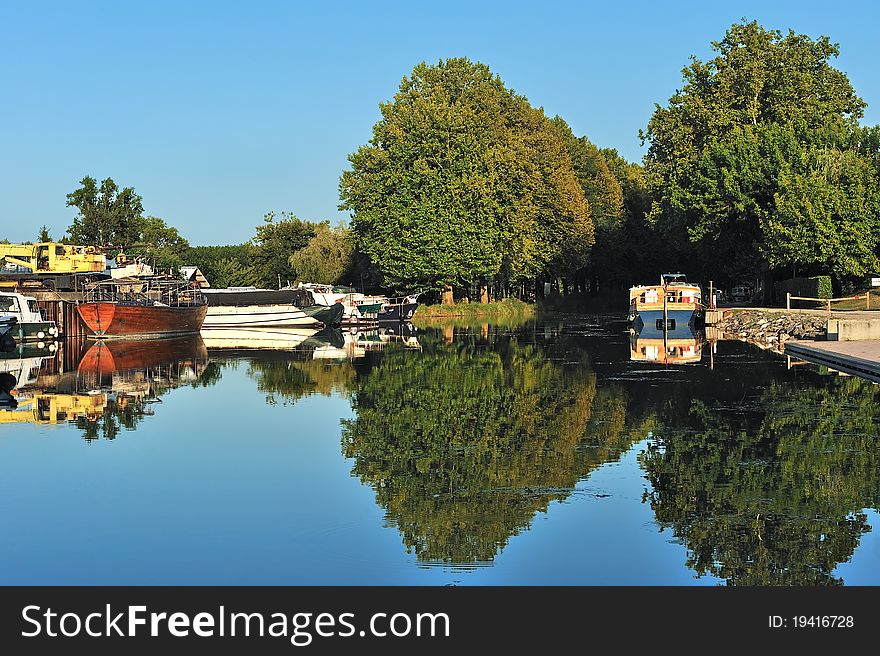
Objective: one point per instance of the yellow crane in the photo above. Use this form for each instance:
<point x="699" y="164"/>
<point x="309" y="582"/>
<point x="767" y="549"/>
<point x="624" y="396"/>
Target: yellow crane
<point x="52" y="258"/>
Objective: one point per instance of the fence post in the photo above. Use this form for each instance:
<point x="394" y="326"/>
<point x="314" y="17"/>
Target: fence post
<point x="868" y="300"/>
<point x="787" y="300"/>
<point x="829" y="306"/>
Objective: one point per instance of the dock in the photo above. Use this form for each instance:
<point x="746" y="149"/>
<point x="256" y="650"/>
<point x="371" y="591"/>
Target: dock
<point x="856" y="358"/>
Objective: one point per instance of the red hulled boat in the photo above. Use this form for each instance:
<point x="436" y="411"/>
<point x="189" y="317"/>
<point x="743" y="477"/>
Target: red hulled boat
<point x="138" y="309"/>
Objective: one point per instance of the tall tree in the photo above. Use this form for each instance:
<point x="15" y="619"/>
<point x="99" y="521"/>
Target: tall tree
<point x="225" y="266"/>
<point x="463" y="182"/>
<point x="273" y="245"/>
<point x="723" y="151"/>
<point x="108" y="215"/>
<point x="160" y="243"/>
<point x="605" y="196"/>
<point x="327" y="257"/>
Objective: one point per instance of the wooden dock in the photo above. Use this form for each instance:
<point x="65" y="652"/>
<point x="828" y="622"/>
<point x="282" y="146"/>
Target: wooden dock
<point x="60" y="307"/>
<point x="856" y="358"/>
<point x="711" y="317"/>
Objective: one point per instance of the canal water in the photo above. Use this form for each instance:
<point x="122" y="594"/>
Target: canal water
<point x="556" y="452"/>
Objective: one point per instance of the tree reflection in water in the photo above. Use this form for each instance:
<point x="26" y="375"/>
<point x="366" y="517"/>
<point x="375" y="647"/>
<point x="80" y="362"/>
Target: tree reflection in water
<point x="467" y="441"/>
<point x="770" y="491"/>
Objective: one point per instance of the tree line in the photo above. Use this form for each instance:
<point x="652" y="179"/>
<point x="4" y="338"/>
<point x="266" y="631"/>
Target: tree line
<point x="757" y="168"/>
<point x="284" y="248"/>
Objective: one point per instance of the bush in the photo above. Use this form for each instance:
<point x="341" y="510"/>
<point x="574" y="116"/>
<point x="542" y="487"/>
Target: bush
<point x="815" y="287"/>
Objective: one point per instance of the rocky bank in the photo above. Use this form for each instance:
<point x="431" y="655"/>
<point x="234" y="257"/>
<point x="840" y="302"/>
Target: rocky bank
<point x="768" y="329"/>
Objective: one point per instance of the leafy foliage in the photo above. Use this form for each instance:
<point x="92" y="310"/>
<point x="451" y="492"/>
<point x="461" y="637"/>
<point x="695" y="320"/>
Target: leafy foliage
<point x="327" y="258"/>
<point x="273" y="245"/>
<point x="759" y="161"/>
<point x="464" y="181"/>
<point x="224" y="266"/>
<point x="108" y="216"/>
<point x="159" y="243"/>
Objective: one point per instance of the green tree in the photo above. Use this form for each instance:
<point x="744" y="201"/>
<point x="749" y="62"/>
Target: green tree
<point x="44" y="235"/>
<point x="735" y="159"/>
<point x="638" y="254"/>
<point x="327" y="257"/>
<point x="463" y="182"/>
<point x="225" y="266"/>
<point x="159" y="243"/>
<point x="605" y="196"/>
<point x="108" y="216"/>
<point x="273" y="245"/>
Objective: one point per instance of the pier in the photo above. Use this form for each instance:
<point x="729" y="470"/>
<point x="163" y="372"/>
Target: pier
<point x="857" y="358"/>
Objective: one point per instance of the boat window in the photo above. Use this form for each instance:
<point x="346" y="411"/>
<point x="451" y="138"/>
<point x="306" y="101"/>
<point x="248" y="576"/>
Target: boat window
<point x="7" y="303"/>
<point x="32" y="305"/>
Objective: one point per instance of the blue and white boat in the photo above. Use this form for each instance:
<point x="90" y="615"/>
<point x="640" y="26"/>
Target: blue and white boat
<point x="671" y="304"/>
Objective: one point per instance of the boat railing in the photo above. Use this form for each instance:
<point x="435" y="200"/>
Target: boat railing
<point x="170" y="293"/>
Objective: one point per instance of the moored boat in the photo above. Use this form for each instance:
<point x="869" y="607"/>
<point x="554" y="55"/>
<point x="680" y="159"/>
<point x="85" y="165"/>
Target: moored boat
<point x="123" y="309"/>
<point x="246" y="307"/>
<point x="22" y="319"/>
<point x="364" y="308"/>
<point x="673" y="303"/>
<point x="398" y="310"/>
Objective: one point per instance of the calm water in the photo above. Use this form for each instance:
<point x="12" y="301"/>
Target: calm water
<point x="552" y="453"/>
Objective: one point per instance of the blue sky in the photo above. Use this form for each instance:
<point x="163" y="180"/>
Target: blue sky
<point x="218" y="112"/>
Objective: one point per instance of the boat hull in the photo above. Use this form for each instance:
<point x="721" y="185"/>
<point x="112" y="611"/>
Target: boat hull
<point x="654" y="319"/>
<point x="110" y="320"/>
<point x="396" y="313"/>
<point x="234" y="316"/>
<point x="329" y="316"/>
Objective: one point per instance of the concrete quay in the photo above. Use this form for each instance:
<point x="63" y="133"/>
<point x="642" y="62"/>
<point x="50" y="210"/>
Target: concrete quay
<point x="857" y="358"/>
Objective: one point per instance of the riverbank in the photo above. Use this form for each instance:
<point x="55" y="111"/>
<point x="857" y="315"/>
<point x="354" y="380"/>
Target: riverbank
<point x="770" y="328"/>
<point x="508" y="308"/>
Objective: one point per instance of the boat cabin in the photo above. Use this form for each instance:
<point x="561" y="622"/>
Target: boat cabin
<point x="673" y="301"/>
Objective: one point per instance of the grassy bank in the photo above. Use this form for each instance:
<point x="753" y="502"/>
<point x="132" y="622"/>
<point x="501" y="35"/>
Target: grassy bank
<point x="859" y="304"/>
<point x="508" y="308"/>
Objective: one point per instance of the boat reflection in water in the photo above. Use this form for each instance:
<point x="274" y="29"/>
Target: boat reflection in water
<point x="681" y="346"/>
<point x="112" y="386"/>
<point x="308" y="343"/>
<point x="353" y="344"/>
<point x="259" y="337"/>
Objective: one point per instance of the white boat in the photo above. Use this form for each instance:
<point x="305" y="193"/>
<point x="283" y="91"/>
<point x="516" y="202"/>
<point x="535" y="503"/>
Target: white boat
<point x="363" y="308"/>
<point x="250" y="307"/>
<point x="29" y="322"/>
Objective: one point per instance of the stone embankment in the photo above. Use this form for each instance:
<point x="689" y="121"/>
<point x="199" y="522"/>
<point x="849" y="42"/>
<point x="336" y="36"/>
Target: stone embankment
<point x="771" y="329"/>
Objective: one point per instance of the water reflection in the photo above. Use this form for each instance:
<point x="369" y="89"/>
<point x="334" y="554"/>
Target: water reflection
<point x="683" y="345"/>
<point x="101" y="387"/>
<point x="463" y="435"/>
<point x="466" y="441"/>
<point x="770" y="490"/>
